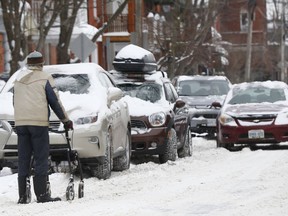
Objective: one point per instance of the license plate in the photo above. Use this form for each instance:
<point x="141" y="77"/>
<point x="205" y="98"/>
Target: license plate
<point x="211" y="122"/>
<point x="256" y="134"/>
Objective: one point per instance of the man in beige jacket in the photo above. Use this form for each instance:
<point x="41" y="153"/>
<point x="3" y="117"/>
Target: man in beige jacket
<point x="34" y="93"/>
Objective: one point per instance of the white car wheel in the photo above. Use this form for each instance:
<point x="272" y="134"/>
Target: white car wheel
<point x="103" y="170"/>
<point x="123" y="162"/>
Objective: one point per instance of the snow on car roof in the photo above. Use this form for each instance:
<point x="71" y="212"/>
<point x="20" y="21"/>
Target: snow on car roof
<point x="245" y="86"/>
<point x="268" y="84"/>
<point x="136" y="51"/>
<point x="77" y="68"/>
<point x="201" y="77"/>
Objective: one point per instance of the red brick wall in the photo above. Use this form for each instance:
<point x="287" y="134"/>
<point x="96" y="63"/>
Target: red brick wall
<point x="131" y="16"/>
<point x="91" y="16"/>
<point x="229" y="25"/>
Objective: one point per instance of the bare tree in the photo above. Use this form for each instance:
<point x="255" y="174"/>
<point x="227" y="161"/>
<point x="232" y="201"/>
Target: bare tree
<point x="49" y="11"/>
<point x="67" y="21"/>
<point x="186" y="28"/>
<point x="13" y="12"/>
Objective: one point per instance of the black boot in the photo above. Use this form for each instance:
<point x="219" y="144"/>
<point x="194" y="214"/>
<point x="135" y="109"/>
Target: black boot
<point x="40" y="188"/>
<point x="24" y="195"/>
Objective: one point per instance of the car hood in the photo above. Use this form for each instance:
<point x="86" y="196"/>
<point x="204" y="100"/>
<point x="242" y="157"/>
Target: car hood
<point x="243" y="110"/>
<point x="202" y="101"/>
<point x="139" y="107"/>
<point x="76" y="106"/>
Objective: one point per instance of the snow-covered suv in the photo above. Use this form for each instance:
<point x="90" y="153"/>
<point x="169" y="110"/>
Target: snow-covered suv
<point x="159" y="123"/>
<point x="102" y="130"/>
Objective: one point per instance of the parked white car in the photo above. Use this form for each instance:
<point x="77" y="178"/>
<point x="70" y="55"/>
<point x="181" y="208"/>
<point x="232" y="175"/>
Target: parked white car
<point x="101" y="135"/>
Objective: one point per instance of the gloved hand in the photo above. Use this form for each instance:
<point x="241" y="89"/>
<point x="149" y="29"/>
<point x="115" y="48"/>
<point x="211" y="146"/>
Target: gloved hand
<point x="68" y="125"/>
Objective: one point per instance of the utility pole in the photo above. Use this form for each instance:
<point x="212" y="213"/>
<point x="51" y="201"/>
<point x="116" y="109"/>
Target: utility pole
<point x="283" y="62"/>
<point x="249" y="49"/>
<point x="138" y="22"/>
<point x="251" y="8"/>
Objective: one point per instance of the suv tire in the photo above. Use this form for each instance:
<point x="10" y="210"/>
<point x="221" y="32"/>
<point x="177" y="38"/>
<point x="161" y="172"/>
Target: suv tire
<point x="187" y="149"/>
<point x="171" y="148"/>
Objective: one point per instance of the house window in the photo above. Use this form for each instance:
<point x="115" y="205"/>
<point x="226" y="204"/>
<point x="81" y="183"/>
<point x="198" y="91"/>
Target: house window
<point x="244" y="20"/>
<point x="95" y="8"/>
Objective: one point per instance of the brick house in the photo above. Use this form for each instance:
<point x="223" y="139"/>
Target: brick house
<point x="233" y="26"/>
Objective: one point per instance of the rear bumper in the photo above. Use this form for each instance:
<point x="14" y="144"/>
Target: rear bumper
<point x="203" y="128"/>
<point x="203" y="120"/>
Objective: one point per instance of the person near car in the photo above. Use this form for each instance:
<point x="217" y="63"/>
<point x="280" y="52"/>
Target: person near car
<point x="34" y="94"/>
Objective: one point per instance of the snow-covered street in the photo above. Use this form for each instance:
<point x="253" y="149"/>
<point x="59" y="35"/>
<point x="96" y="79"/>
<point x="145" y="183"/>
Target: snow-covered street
<point x="212" y="182"/>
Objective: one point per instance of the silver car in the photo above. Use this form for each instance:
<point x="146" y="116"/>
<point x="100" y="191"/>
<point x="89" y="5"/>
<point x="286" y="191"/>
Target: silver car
<point x="102" y="130"/>
<point x="199" y="92"/>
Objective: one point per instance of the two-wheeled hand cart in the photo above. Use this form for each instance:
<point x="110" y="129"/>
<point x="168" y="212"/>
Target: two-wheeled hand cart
<point x="60" y="157"/>
<point x="69" y="155"/>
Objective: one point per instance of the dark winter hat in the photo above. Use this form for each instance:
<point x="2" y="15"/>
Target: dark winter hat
<point x="35" y="58"/>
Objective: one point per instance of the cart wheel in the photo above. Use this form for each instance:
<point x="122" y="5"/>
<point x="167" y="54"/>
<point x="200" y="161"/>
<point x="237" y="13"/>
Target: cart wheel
<point x="81" y="190"/>
<point x="48" y="188"/>
<point x="28" y="192"/>
<point x="70" y="192"/>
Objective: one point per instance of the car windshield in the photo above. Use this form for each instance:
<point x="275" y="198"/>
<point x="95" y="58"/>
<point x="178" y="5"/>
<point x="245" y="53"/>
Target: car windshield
<point x="257" y="95"/>
<point x="146" y="91"/>
<point x="73" y="83"/>
<point x="203" y="87"/>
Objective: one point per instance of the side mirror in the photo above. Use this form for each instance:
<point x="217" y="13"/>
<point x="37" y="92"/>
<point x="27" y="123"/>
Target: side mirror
<point x="179" y="104"/>
<point x="216" y="104"/>
<point x="114" y="94"/>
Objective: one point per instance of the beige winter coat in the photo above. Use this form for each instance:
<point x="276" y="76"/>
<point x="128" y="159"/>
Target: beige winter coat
<point x="33" y="94"/>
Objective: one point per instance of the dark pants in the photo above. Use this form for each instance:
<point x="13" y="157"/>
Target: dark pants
<point x="33" y="140"/>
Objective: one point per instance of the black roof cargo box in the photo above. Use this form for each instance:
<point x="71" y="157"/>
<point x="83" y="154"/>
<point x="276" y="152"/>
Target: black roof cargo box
<point x="132" y="58"/>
